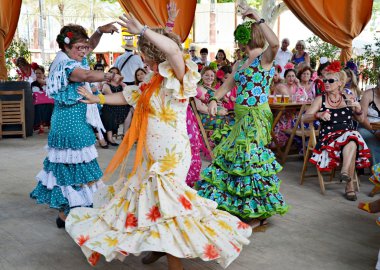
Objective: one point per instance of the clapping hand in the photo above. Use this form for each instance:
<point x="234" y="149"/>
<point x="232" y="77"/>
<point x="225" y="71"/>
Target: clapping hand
<point x="131" y="23"/>
<point x="212" y="108"/>
<point x="325" y="116"/>
<point x="351" y="102"/>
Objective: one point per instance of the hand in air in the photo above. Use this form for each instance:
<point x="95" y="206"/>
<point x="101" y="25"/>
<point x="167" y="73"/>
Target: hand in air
<point x="90" y="98"/>
<point x="172" y="11"/>
<point x="109" y="28"/>
<point x="131" y="23"/>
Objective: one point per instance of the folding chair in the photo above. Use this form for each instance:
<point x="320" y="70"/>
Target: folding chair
<point x="12" y="112"/>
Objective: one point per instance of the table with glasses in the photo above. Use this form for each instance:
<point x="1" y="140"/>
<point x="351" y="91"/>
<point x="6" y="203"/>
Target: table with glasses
<point x="278" y="109"/>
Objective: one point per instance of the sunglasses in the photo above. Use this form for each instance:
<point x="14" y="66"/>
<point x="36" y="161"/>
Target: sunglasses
<point x="329" y="80"/>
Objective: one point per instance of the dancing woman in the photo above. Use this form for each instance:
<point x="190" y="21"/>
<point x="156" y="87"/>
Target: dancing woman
<point x="150" y="208"/>
<point x="242" y="178"/>
<point x="71" y="172"/>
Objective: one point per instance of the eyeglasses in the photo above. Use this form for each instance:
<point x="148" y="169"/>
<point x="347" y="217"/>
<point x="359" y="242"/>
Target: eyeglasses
<point x="329" y="80"/>
<point x="82" y="48"/>
<point x="191" y="50"/>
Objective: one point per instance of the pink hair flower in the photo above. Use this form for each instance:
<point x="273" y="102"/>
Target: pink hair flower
<point x="220" y="74"/>
<point x="289" y="66"/>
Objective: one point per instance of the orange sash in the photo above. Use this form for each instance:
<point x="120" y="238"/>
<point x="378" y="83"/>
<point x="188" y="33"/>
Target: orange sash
<point x="137" y="130"/>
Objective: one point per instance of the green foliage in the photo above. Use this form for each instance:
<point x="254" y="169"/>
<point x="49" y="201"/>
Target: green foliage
<point x="371" y="59"/>
<point x="318" y="48"/>
<point x="109" y="1"/>
<point x="17" y="48"/>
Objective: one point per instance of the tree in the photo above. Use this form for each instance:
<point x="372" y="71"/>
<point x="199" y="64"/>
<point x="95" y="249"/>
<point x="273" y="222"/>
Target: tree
<point x="17" y="49"/>
<point x="371" y="60"/>
<point x="318" y="48"/>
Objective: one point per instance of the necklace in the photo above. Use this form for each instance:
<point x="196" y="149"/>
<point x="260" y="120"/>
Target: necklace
<point x="334" y="103"/>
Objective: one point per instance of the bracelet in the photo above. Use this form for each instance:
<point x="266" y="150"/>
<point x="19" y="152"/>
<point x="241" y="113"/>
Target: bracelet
<point x="143" y="30"/>
<point x="102" y="99"/>
<point x="316" y="116"/>
<point x="98" y="31"/>
<point x="170" y="24"/>
<point x="212" y="99"/>
<point x="260" y="21"/>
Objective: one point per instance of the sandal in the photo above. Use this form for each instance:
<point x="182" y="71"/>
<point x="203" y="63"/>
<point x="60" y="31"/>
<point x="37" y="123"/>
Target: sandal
<point x="350" y="195"/>
<point x="254" y="224"/>
<point x="152" y="257"/>
<point x="345" y="178"/>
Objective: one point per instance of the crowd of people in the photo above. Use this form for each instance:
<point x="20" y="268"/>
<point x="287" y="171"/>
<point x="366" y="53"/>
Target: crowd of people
<point x="207" y="214"/>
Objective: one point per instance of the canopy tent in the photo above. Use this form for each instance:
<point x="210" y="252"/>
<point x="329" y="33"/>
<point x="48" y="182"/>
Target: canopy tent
<point x="337" y="22"/>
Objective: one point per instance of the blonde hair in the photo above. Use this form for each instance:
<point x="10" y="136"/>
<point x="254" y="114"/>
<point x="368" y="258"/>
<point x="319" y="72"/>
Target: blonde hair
<point x="257" y="39"/>
<point x="302" y="43"/>
<point x="342" y="76"/>
<point x="151" y="51"/>
<point x="354" y="82"/>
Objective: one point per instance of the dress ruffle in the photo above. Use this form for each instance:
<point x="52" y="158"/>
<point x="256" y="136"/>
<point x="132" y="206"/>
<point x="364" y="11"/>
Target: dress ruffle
<point x="62" y="140"/>
<point x="71" y="156"/>
<point x="74" y="174"/>
<point x="328" y="155"/>
<point x="242" y="178"/>
<point x="163" y="215"/>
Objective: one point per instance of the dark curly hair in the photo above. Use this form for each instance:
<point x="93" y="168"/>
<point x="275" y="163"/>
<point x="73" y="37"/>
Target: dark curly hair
<point x="78" y="32"/>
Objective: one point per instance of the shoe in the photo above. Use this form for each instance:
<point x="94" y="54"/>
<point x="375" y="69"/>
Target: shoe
<point x="113" y="144"/>
<point x="344" y="178"/>
<point x="350" y="195"/>
<point x="60" y="223"/>
<point x="104" y="146"/>
<point x="152" y="257"/>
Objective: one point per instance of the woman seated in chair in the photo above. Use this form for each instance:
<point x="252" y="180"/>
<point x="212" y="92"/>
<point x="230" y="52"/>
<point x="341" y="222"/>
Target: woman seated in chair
<point x="370" y="104"/>
<point x="338" y="142"/>
<point x="205" y="91"/>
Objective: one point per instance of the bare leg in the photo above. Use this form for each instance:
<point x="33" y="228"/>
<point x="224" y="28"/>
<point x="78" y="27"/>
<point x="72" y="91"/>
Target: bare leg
<point x="174" y="263"/>
<point x="109" y="137"/>
<point x="128" y="120"/>
<point x="348" y="166"/>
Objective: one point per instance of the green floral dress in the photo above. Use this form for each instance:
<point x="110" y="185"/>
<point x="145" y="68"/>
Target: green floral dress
<point x="242" y="178"/>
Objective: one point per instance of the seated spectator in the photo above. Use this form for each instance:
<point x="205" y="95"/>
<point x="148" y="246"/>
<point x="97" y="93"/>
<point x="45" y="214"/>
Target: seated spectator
<point x="304" y="77"/>
<point x="26" y="71"/>
<point x="283" y="56"/>
<point x="43" y="105"/>
<point x="338" y="142"/>
<point x="204" y="61"/>
<point x="221" y="59"/>
<point x="205" y="91"/>
<point x="140" y="74"/>
<point x="113" y="116"/>
<point x="291" y="87"/>
<point x="370" y="104"/>
<point x="301" y="56"/>
<point x="276" y="81"/>
<point x="192" y="52"/>
<point x="319" y="86"/>
<point x="351" y="86"/>
<point x="229" y="99"/>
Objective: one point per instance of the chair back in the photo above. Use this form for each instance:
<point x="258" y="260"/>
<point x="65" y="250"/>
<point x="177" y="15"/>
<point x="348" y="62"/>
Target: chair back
<point x="12" y="112"/>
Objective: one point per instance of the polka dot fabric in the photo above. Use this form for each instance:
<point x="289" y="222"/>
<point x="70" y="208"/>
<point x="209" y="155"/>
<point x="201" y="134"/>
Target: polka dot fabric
<point x="69" y="132"/>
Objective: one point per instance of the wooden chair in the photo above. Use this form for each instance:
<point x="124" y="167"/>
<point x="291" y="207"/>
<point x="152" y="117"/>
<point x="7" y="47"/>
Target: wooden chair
<point x="12" y="112"/>
<point x="322" y="183"/>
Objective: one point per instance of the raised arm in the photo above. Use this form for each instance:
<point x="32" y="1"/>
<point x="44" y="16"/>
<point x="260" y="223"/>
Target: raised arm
<point x="84" y="75"/>
<point x="270" y="52"/>
<point x="164" y="44"/>
<point x="172" y="14"/>
<point x="112" y="99"/>
<point x="95" y="38"/>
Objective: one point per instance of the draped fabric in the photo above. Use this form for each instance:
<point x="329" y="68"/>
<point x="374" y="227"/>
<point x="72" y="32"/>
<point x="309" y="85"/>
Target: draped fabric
<point x="335" y="21"/>
<point x="9" y="14"/>
<point x="154" y="14"/>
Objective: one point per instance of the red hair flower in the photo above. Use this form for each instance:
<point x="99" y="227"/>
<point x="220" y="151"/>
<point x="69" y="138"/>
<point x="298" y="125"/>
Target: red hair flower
<point x="220" y="74"/>
<point x="289" y="65"/>
<point x="70" y="35"/>
<point x="334" y="67"/>
<point x="34" y="65"/>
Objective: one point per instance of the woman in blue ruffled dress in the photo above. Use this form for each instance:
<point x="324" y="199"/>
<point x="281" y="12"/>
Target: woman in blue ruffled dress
<point x="242" y="177"/>
<point x="71" y="173"/>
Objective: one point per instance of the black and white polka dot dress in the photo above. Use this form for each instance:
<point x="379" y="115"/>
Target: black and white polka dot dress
<point x="334" y="135"/>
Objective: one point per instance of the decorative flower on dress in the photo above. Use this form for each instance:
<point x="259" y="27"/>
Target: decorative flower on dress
<point x="211" y="252"/>
<point x="334" y="67"/>
<point x="94" y="258"/>
<point x="242" y="225"/>
<point x="185" y="202"/>
<point x="82" y="239"/>
<point x="154" y="213"/>
<point x="131" y="220"/>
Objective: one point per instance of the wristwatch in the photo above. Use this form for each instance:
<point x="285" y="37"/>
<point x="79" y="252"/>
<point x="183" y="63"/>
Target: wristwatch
<point x="260" y="21"/>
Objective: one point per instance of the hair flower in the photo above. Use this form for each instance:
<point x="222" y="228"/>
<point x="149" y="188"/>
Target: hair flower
<point x="34" y="65"/>
<point x="213" y="65"/>
<point x="289" y="65"/>
<point x="70" y="35"/>
<point x="334" y="67"/>
<point x="243" y="33"/>
<point x="220" y="74"/>
<point x="67" y="40"/>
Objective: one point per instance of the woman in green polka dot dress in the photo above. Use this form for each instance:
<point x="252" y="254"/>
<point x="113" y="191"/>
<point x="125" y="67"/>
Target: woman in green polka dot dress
<point x="242" y="177"/>
<point x="71" y="172"/>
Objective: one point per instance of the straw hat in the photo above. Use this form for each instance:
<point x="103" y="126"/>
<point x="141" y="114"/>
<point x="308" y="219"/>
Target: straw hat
<point x="129" y="45"/>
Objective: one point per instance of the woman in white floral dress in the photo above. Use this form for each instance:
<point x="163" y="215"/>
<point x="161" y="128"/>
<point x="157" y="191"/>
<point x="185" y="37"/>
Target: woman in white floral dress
<point x="152" y="208"/>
